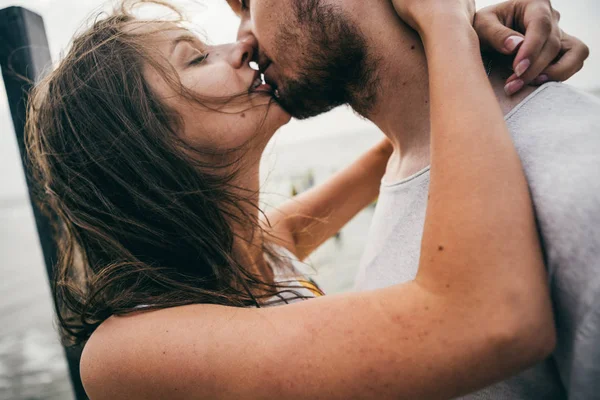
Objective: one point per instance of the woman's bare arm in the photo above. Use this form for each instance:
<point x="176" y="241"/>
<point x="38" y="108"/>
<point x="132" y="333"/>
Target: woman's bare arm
<point x="400" y="342"/>
<point x="477" y="312"/>
<point x="309" y="219"/>
<point x="479" y="197"/>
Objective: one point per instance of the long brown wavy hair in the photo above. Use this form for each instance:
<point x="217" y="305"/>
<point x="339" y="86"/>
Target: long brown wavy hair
<point x="140" y="219"/>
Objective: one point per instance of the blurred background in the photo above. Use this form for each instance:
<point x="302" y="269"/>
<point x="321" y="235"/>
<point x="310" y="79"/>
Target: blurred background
<point x="32" y="364"/>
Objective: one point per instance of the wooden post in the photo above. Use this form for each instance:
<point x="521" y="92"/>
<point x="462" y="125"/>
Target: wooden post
<point x="24" y="57"/>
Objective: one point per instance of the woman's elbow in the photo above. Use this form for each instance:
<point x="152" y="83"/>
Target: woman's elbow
<point x="526" y="337"/>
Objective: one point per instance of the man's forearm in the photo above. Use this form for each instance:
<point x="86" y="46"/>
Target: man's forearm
<point x="321" y="212"/>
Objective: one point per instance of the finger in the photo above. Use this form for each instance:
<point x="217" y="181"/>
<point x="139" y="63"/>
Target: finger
<point x="513" y="77"/>
<point x="575" y="52"/>
<point x="570" y="61"/>
<point x="537" y="33"/>
<point x="493" y="34"/>
<point x="540" y="80"/>
<point x="545" y="58"/>
<point x="514" y="86"/>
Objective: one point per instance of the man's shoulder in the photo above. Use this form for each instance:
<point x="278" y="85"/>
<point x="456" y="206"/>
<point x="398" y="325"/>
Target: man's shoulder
<point x="556" y="131"/>
<point x="556" y="119"/>
<point x="555" y="100"/>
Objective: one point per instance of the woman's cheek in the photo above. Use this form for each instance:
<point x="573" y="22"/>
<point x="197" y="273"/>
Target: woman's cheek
<point x="215" y="82"/>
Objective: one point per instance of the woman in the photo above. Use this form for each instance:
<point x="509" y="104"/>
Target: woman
<point x="147" y="143"/>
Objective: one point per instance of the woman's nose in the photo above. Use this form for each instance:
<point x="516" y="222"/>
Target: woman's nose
<point x="243" y="51"/>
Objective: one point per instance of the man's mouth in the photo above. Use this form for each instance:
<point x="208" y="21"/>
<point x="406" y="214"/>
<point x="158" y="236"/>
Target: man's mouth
<point x="263" y="84"/>
<point x="259" y="85"/>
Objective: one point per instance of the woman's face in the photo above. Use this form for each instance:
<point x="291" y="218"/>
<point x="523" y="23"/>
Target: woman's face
<point x="236" y="108"/>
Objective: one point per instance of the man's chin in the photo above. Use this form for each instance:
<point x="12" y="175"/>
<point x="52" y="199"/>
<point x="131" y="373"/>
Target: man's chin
<point x="303" y="108"/>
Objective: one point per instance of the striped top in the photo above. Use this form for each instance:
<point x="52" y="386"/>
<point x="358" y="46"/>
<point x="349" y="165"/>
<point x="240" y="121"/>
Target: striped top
<point x="296" y="284"/>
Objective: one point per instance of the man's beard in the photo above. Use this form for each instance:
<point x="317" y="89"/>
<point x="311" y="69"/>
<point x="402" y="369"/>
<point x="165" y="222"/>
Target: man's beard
<point x="334" y="67"/>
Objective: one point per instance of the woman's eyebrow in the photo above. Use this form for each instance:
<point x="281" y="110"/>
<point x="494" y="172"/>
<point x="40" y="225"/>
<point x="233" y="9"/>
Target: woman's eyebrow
<point x="183" y="38"/>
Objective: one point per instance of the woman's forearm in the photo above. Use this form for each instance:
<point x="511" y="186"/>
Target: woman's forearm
<point x="475" y="167"/>
<point x="480" y="248"/>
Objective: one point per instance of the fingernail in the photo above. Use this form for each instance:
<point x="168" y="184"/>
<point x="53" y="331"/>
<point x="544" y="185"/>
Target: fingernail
<point x="511" y="43"/>
<point x="514" y="86"/>
<point x="540" y="80"/>
<point x="522" y="67"/>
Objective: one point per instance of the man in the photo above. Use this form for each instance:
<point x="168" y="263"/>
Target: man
<point x="324" y="53"/>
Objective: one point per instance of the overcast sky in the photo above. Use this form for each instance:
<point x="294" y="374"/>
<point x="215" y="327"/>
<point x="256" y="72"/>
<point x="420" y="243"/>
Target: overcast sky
<point x="63" y="17"/>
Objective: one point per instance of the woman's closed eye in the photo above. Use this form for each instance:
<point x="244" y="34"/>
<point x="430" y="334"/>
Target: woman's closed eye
<point x="199" y="60"/>
<point x="244" y="4"/>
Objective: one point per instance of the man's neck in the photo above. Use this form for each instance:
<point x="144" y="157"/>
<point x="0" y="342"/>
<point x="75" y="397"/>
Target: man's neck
<point x="401" y="110"/>
<point x="402" y="107"/>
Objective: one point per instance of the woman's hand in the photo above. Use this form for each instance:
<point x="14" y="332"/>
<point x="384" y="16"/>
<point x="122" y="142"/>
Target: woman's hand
<point x="529" y="29"/>
<point x="420" y="14"/>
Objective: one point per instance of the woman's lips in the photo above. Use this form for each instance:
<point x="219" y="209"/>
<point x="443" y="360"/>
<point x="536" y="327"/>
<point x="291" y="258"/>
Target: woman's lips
<point x="260" y="85"/>
<point x="264" y="87"/>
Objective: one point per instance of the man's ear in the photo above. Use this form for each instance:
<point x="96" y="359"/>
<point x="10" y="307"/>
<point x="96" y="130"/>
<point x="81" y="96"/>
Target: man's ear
<point x="235" y="6"/>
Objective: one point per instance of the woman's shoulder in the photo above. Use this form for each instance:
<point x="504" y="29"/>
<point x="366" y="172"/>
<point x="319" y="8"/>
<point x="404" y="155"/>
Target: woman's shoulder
<point x="115" y="332"/>
<point x="136" y="347"/>
<point x="102" y="349"/>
